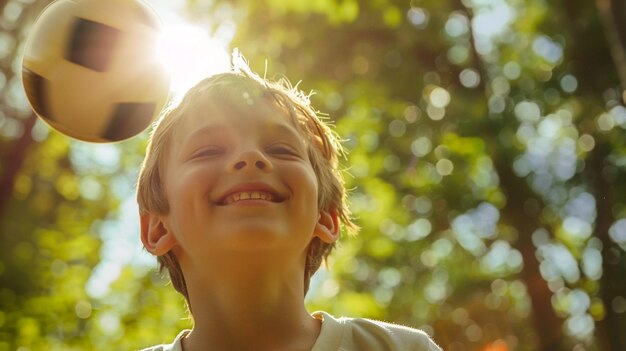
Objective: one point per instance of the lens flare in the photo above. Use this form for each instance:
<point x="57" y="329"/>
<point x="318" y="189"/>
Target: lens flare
<point x="190" y="54"/>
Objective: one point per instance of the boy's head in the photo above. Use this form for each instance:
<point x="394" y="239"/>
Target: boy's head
<point x="234" y="95"/>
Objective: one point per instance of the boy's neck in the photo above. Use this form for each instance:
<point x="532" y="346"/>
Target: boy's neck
<point x="250" y="308"/>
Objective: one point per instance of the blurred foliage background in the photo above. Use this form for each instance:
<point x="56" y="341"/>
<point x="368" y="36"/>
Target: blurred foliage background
<point x="487" y="160"/>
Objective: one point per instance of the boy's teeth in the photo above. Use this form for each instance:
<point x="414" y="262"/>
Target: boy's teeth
<point x="246" y="195"/>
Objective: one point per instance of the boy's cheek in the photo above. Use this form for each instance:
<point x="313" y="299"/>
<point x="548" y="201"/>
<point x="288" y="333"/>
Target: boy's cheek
<point x="186" y="182"/>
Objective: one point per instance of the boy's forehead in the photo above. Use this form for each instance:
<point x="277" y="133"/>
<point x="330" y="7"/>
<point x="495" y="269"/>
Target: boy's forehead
<point x="237" y="110"/>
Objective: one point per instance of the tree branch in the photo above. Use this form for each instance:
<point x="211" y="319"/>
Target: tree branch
<point x="613" y="16"/>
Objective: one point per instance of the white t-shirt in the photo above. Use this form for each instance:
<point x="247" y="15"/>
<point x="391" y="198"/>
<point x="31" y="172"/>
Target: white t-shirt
<point x="351" y="334"/>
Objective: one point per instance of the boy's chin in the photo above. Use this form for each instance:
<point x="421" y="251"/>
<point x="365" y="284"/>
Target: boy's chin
<point x="257" y="237"/>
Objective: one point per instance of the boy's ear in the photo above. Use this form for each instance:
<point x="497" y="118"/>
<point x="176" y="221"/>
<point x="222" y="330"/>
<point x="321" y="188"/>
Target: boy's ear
<point x="155" y="236"/>
<point x="327" y="226"/>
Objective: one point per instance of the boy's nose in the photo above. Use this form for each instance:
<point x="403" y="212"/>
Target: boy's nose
<point x="248" y="159"/>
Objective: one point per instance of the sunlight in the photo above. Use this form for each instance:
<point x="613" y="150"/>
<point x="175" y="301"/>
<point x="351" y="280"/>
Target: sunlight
<point x="498" y="345"/>
<point x="190" y="54"/>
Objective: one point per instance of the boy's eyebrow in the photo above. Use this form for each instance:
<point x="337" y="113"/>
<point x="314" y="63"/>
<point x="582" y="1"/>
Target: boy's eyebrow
<point x="208" y="130"/>
<point x="284" y="129"/>
<point x="273" y="129"/>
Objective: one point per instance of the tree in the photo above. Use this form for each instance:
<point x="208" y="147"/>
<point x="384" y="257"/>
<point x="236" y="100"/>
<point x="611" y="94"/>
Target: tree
<point x="486" y="158"/>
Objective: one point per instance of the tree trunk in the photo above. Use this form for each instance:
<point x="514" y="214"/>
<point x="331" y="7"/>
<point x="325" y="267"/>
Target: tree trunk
<point x="613" y="283"/>
<point x="613" y="16"/>
<point x="548" y="325"/>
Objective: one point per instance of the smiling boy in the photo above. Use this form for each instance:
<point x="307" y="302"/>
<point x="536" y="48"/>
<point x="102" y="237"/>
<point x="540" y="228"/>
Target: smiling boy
<point x="241" y="199"/>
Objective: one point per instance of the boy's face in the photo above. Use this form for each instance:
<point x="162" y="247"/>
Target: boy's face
<point x="240" y="181"/>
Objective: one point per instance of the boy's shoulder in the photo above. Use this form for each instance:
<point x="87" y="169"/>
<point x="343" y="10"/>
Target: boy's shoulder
<point x="351" y="334"/>
<point x="156" y="348"/>
<point x="176" y="345"/>
<point x="347" y="334"/>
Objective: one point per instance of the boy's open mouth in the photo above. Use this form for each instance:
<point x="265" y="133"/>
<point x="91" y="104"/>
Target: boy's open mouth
<point x="248" y="195"/>
<point x="249" y="192"/>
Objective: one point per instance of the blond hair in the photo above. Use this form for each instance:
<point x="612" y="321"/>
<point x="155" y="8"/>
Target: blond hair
<point x="324" y="149"/>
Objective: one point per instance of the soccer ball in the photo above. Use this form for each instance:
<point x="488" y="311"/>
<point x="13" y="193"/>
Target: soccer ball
<point x="90" y="68"/>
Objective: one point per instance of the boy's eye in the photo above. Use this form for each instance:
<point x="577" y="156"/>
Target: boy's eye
<point x="281" y="149"/>
<point x="208" y="152"/>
